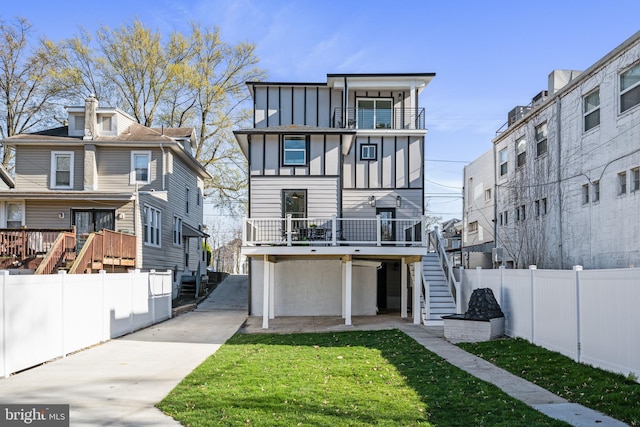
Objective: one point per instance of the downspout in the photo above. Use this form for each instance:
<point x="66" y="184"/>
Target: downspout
<point x="495" y="201"/>
<point x="559" y="176"/>
<point x="345" y="103"/>
<point x="164" y="169"/>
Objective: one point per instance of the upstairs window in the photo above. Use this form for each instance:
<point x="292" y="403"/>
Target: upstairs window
<point x="62" y="169"/>
<point x="473" y="227"/>
<point x="630" y="88"/>
<point x="152" y="224"/>
<point x="177" y="230"/>
<point x="487" y="195"/>
<point x="368" y="152"/>
<point x="596" y="191"/>
<point x="375" y="113"/>
<point x="294" y="150"/>
<point x="503" y="162"/>
<point x="635" y="177"/>
<point x="521" y="151"/>
<point x="186" y="196"/>
<point x="541" y="139"/>
<point x="622" y="183"/>
<point x="140" y="167"/>
<point x="585" y="194"/>
<point x="591" y="109"/>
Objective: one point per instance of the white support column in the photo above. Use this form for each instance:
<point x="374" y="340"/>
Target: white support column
<point x="266" y="277"/>
<point x="417" y="284"/>
<point x="403" y="288"/>
<point x="348" y="291"/>
<point x="272" y="290"/>
<point x="344" y="288"/>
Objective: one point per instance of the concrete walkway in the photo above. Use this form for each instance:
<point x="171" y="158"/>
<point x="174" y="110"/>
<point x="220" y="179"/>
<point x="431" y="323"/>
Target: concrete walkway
<point x="119" y="382"/>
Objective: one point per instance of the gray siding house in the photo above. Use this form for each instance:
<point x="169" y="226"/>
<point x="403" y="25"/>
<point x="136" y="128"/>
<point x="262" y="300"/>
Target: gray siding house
<point x="336" y="198"/>
<point x="105" y="171"/>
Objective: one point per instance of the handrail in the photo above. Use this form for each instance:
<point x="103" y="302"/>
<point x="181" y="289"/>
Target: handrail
<point x="85" y="257"/>
<point x="447" y="268"/>
<point x="62" y="250"/>
<point x="380" y="118"/>
<point x="105" y="245"/>
<point x="334" y="231"/>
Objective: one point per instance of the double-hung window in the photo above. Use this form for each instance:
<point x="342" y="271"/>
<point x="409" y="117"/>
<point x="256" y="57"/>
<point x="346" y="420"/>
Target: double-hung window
<point x="591" y="110"/>
<point x="596" y="191"/>
<point x="177" y="230"/>
<point x="635" y="179"/>
<point x="294" y="149"/>
<point x="541" y="139"/>
<point x="521" y="151"/>
<point x="585" y="194"/>
<point x="62" y="170"/>
<point x="375" y="113"/>
<point x="630" y="88"/>
<point x="504" y="166"/>
<point x="140" y="167"/>
<point x="622" y="183"/>
<point x="152" y="226"/>
<point x="15" y="215"/>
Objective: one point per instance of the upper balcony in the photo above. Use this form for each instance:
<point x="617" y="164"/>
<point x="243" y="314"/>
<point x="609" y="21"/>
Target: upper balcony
<point x="378" y="118"/>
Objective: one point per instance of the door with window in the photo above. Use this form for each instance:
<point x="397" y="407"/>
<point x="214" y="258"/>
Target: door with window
<point x="294" y="203"/>
<point x="375" y="113"/>
<point x="91" y="220"/>
<point x="387" y="223"/>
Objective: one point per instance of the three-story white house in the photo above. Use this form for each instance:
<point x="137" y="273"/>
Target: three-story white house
<point x="336" y="197"/>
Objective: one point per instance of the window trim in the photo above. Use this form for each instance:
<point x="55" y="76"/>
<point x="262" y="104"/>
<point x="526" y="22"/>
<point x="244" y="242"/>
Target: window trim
<point x="294" y="190"/>
<point x="305" y="150"/>
<point x="54" y="170"/>
<point x="587" y="113"/>
<point x="177" y="230"/>
<point x="541" y="141"/>
<point x="5" y="207"/>
<point x="150" y="238"/>
<point x="622" y="92"/>
<point x="132" y="174"/>
<point x="369" y="147"/>
<point x="473" y="227"/>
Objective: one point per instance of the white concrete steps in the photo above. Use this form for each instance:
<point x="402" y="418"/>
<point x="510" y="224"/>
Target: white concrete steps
<point x="441" y="302"/>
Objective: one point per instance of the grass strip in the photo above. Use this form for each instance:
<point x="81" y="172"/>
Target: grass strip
<point x="612" y="394"/>
<point x="356" y="378"/>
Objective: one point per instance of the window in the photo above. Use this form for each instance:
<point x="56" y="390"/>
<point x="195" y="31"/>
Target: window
<point x="622" y="183"/>
<point x="294" y="150"/>
<point x="368" y="152"/>
<point x="140" y="167"/>
<point x="521" y="213"/>
<point x="591" y="110"/>
<point x="503" y="162"/>
<point x="596" y="191"/>
<point x="541" y="139"/>
<point x="62" y="169"/>
<point x="177" y="230"/>
<point x="152" y="224"/>
<point x="487" y="195"/>
<point x="186" y="196"/>
<point x="536" y="208"/>
<point x="585" y="194"/>
<point x="105" y="123"/>
<point x="374" y="113"/>
<point x="199" y="197"/>
<point x="630" y="88"/>
<point x="635" y="177"/>
<point x="78" y="122"/>
<point x="15" y="215"/>
<point x="294" y="203"/>
<point x="473" y="227"/>
<point x="521" y="151"/>
<point x="506" y="218"/>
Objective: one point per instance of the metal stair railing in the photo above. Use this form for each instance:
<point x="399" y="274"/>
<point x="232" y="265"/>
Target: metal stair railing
<point x="454" y="286"/>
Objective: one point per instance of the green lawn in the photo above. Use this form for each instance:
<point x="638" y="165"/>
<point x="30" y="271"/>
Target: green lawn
<point x="339" y="379"/>
<point x="609" y="393"/>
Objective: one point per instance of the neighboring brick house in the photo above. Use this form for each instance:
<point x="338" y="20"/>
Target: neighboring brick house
<point x="105" y="171"/>
<point x="336" y="195"/>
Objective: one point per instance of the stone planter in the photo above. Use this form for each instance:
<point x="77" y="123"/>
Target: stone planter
<point x="458" y="329"/>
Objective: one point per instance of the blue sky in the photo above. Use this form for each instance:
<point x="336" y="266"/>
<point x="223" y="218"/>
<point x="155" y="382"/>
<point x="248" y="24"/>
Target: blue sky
<point x="488" y="56"/>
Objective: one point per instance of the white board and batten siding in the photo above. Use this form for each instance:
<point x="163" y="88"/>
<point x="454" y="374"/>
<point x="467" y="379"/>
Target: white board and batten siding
<point x="355" y="203"/>
<point x="304" y="105"/>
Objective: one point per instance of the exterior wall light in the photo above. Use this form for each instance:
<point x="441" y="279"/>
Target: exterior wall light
<point x="398" y="201"/>
<point x="372" y="201"/>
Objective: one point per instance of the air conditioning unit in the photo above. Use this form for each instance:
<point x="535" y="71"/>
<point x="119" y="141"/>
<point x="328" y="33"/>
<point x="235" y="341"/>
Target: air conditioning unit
<point x="517" y="113"/>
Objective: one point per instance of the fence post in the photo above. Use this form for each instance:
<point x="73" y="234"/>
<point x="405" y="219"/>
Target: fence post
<point x="578" y="269"/>
<point x="132" y="275"/>
<point x="502" y="304"/>
<point x="62" y="274"/>
<point x="152" y="299"/>
<point x="3" y="343"/>
<point x="169" y="275"/>
<point x="532" y="269"/>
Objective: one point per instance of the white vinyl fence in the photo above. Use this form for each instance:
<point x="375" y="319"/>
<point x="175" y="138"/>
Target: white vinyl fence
<point x="43" y="317"/>
<point x="591" y="316"/>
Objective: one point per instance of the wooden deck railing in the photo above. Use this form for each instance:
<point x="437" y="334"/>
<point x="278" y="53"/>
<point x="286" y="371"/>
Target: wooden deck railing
<point x="105" y="248"/>
<point x="62" y="251"/>
<point x="17" y="245"/>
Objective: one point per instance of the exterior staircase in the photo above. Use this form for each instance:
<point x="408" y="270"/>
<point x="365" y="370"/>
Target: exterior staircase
<point x="441" y="302"/>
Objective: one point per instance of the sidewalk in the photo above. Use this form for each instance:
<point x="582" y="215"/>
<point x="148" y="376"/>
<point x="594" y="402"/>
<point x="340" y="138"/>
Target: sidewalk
<point x="120" y="381"/>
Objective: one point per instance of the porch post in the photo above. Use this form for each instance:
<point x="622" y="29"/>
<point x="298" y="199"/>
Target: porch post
<point x="266" y="292"/>
<point x="417" y="283"/>
<point x="344" y="286"/>
<point x="272" y="290"/>
<point x="348" y="289"/>
<point x="403" y="288"/>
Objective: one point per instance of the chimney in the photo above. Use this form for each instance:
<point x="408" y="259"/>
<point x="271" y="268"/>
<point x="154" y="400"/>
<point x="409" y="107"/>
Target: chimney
<point x="90" y="117"/>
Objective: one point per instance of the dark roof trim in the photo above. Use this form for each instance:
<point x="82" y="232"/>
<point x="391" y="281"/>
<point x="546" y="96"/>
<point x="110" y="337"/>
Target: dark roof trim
<point x="383" y="75"/>
<point x="250" y="83"/>
<point x="189" y="231"/>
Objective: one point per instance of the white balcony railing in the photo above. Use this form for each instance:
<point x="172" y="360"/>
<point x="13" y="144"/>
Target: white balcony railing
<point x="334" y="231"/>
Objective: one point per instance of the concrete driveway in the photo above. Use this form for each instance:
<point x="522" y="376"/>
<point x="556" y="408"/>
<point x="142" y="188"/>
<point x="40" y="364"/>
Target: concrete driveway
<point x="120" y="381"/>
